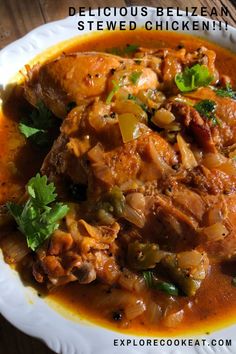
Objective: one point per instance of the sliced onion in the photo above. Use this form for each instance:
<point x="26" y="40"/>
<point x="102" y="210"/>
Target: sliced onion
<point x="96" y="153"/>
<point x="14" y="248"/>
<point x="189" y="259"/>
<point x="136" y="201"/>
<point x="128" y="106"/>
<point x="135" y="217"/>
<point x="174" y="319"/>
<point x="140" y="284"/>
<point x="163" y="118"/>
<point x="159" y="162"/>
<point x="153" y="312"/>
<point x="127" y="280"/>
<point x="214" y="216"/>
<point x="228" y="167"/>
<point x="213" y="160"/>
<point x="221" y="163"/>
<point x="187" y="156"/>
<point x="102" y="172"/>
<point x="216" y="232"/>
<point x="134" y="310"/>
<point x="129" y="126"/>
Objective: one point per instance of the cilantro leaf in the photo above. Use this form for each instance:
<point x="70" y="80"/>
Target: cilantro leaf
<point x="40" y="215"/>
<point x="15" y="210"/>
<point x="116" y="87"/>
<point x="36" y="126"/>
<point x="28" y="131"/>
<point x="134" y="76"/>
<point x="153" y="283"/>
<point x="131" y="48"/>
<point x="206" y="108"/>
<point x="57" y="212"/>
<point x="192" y="78"/>
<point x="128" y="50"/>
<point x="226" y="92"/>
<point x="40" y="191"/>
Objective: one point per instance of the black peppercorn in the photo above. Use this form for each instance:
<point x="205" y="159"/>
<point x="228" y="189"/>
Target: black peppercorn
<point x="117" y="316"/>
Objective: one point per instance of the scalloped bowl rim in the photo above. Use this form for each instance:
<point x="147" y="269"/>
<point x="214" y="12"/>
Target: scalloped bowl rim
<point x="20" y="305"/>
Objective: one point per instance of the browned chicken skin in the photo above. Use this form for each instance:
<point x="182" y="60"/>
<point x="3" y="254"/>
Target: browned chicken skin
<point x="71" y="78"/>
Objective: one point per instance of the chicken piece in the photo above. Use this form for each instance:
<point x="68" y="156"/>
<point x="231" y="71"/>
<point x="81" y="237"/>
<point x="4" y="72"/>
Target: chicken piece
<point x="225" y="133"/>
<point x="52" y="267"/>
<point x="146" y="158"/>
<point x="211" y="181"/>
<point x="91" y="254"/>
<point x="61" y="163"/>
<point x="90" y="149"/>
<point x="225" y="248"/>
<point x="174" y="216"/>
<point x="164" y="205"/>
<point x="71" y="78"/>
<point x="226" y="106"/>
<point x="60" y="242"/>
<point x="196" y="124"/>
<point x="171" y="67"/>
<point x="167" y="62"/>
<point x="188" y="201"/>
<point x="204" y="56"/>
<point x="133" y="78"/>
<point x="72" y="143"/>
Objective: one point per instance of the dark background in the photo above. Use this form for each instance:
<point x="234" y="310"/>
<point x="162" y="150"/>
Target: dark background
<point x="17" y="17"/>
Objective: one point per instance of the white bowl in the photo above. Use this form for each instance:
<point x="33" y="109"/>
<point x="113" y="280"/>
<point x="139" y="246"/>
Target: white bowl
<point x="21" y="305"/>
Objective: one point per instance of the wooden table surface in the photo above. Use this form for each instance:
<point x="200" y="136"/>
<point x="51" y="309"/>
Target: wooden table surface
<point x="17" y="17"/>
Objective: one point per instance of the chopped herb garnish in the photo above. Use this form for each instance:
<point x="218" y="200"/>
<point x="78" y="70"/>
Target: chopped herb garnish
<point x="128" y="50"/>
<point x="116" y="87"/>
<point x="131" y="48"/>
<point x="207" y="108"/>
<point x="36" y="127"/>
<point x="168" y="288"/>
<point x="192" y="78"/>
<point x="28" y="131"/>
<point x="38" y="218"/>
<point x="117" y="315"/>
<point x="155" y="284"/>
<point x="134" y="76"/>
<point x="226" y="92"/>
